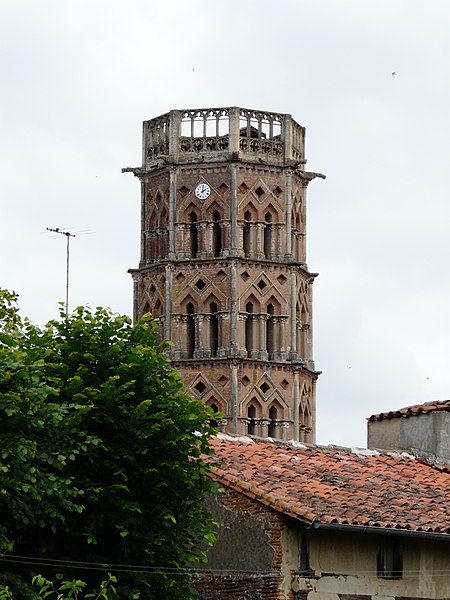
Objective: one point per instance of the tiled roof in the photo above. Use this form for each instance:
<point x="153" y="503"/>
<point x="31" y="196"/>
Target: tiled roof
<point x="414" y="410"/>
<point x="331" y="484"/>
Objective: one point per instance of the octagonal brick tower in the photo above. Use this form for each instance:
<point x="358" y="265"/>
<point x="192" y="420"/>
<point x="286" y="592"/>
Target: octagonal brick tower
<point x="223" y="263"/>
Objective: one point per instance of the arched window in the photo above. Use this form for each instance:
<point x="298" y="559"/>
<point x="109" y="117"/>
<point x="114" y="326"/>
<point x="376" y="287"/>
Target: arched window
<point x="194" y="234"/>
<point x="273" y="415"/>
<point x="214" y="328"/>
<point x="251" y="414"/>
<point x="217" y="234"/>
<point x="213" y="422"/>
<point x="247" y="233"/>
<point x="270" y="330"/>
<point x="267" y="235"/>
<point x="190" y="330"/>
<point x="249" y="325"/>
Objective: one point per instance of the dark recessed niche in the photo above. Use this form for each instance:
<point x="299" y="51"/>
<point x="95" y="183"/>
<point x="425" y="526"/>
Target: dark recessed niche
<point x="200" y="387"/>
<point x="277" y="190"/>
<point x="200" y="284"/>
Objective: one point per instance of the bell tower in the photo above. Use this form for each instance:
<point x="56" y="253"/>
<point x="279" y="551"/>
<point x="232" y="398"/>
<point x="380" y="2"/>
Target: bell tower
<point x="223" y="263"/>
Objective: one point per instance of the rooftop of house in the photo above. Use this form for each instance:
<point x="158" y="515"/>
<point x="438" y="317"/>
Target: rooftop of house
<point x="416" y="409"/>
<point x="335" y="485"/>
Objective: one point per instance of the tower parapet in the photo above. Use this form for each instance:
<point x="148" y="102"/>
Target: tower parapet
<point x="223" y="134"/>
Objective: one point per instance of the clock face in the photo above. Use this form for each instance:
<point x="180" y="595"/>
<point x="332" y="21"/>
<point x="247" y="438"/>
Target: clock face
<point x="202" y="191"/>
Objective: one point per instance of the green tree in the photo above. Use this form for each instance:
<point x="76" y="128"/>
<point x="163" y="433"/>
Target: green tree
<point x="101" y="452"/>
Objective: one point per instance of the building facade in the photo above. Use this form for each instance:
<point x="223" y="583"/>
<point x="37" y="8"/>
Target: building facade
<point x="223" y="263"/>
<point x="305" y="522"/>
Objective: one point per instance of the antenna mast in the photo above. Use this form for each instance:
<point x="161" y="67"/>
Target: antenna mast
<point x="68" y="236"/>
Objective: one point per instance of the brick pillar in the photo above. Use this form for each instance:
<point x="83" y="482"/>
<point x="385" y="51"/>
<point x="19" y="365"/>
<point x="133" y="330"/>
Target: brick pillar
<point x="207" y="336"/>
<point x="242" y="318"/>
<point x="296" y="393"/>
<point x="293" y="316"/>
<point x="263" y="355"/>
<point x="199" y="348"/>
<point x="176" y="336"/>
<point x="172" y="209"/>
<point x="168" y="303"/>
<point x="287" y="214"/>
<point x="259" y="253"/>
<point x="263" y="426"/>
<point x="279" y="236"/>
<point x="223" y="347"/>
<point x="209" y="239"/>
<point x="201" y="228"/>
<point x="183" y="336"/>
<point x="226" y="237"/>
<point x="240" y="238"/>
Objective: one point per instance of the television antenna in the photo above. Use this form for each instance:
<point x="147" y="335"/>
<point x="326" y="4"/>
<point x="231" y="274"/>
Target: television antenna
<point x="68" y="234"/>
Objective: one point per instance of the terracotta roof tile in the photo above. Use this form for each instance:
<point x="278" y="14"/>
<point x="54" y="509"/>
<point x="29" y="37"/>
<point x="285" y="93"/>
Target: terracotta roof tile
<point x="336" y="485"/>
<point x="415" y="410"/>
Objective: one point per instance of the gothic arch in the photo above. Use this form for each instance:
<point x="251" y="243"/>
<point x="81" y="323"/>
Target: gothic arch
<point x="193" y="207"/>
<point x="278" y="407"/>
<point x="163" y="220"/>
<point x="151" y="223"/>
<point x="295" y="219"/>
<point x="211" y="298"/>
<point x="158" y="306"/>
<point x="269" y="209"/>
<point x="214" y="204"/>
<point x="188" y="299"/>
<point x="251" y="298"/>
<point x="253" y="412"/>
<point x="276" y="305"/>
<point x="250" y="210"/>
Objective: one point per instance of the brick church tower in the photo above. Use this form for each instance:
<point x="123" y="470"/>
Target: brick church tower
<point x="223" y="263"/>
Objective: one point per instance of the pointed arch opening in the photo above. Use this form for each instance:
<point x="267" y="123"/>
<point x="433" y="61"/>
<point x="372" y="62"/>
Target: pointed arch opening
<point x="213" y="328"/>
<point x="268" y="234"/>
<point x="194" y="234"/>
<point x="190" y="330"/>
<point x="251" y="415"/>
<point x="249" y="327"/>
<point x="270" y="330"/>
<point x="247" y="233"/>
<point x="217" y="234"/>
<point x="215" y="408"/>
<point x="273" y="416"/>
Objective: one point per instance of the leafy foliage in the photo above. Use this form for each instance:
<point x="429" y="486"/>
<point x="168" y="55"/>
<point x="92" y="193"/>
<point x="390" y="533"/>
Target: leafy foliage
<point x="100" y="451"/>
<point x="66" y="590"/>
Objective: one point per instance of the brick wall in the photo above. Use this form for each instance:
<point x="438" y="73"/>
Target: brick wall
<point x="255" y="559"/>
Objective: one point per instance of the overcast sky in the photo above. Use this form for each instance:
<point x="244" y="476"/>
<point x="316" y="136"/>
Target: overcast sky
<point x="79" y="77"/>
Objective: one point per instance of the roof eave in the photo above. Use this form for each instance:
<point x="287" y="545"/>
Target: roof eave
<point x="386" y="531"/>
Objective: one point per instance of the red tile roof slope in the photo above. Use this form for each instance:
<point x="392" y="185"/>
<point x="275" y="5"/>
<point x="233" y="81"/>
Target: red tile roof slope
<point x="415" y="410"/>
<point x="331" y="484"/>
